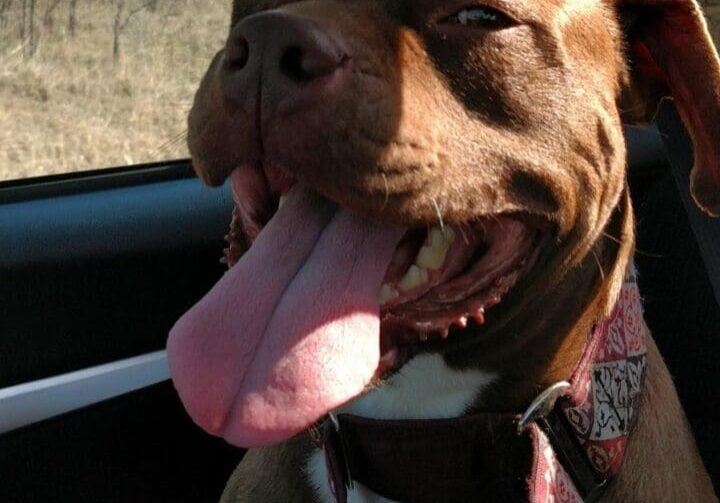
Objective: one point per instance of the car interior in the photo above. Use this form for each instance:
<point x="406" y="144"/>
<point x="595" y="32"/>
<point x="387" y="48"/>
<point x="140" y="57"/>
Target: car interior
<point x="96" y="267"/>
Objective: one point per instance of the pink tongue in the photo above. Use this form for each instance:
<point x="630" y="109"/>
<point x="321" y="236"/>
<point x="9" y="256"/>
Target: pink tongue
<point x="291" y="331"/>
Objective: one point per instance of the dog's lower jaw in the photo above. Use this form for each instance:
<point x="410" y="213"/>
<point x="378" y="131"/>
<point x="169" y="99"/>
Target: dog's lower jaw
<point x="423" y="378"/>
<point x="660" y="443"/>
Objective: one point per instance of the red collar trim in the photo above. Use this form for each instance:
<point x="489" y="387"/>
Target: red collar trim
<point x="565" y="449"/>
<point x="602" y="403"/>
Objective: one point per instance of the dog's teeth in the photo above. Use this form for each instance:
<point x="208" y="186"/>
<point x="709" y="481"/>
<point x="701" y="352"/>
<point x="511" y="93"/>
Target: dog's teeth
<point x="387" y="293"/>
<point x="444" y="333"/>
<point x="414" y="277"/>
<point x="438" y="236"/>
<point x="432" y="255"/>
<point x="479" y="316"/>
<point x="430" y="258"/>
<point x="462" y="322"/>
<point x="281" y="201"/>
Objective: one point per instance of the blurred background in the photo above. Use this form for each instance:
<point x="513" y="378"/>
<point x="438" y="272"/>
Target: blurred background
<point x="97" y="83"/>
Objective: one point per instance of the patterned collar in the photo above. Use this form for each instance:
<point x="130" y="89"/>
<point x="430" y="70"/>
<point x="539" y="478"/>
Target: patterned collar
<point x="569" y="443"/>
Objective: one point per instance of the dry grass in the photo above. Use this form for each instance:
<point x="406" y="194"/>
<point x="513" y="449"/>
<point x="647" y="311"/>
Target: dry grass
<point x="71" y="107"/>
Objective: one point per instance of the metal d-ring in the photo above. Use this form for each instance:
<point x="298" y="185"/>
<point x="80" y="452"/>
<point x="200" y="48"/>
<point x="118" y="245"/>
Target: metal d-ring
<point x="334" y="420"/>
<point x="343" y="448"/>
<point x="542" y="405"/>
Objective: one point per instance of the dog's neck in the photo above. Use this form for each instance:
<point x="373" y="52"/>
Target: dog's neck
<point x="469" y="380"/>
<point x="543" y="341"/>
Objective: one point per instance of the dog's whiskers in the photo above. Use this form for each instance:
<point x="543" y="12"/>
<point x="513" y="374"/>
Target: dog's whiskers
<point x="461" y="228"/>
<point x="439" y="214"/>
<point x="600" y="267"/>
<point x="171" y="143"/>
<point x="611" y="237"/>
<point x="648" y="254"/>
<point x="387" y="191"/>
<point x="637" y="250"/>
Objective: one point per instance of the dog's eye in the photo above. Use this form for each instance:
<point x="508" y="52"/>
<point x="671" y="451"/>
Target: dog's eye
<point x="480" y="17"/>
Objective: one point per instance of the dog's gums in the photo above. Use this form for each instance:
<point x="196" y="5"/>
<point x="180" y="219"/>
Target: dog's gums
<point x="440" y="278"/>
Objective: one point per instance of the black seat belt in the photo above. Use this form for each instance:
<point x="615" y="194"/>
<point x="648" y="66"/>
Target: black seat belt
<point x="679" y="150"/>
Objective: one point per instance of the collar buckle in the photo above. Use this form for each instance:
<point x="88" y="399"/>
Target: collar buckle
<point x="543" y="404"/>
<point x="548" y="417"/>
<point x="336" y="459"/>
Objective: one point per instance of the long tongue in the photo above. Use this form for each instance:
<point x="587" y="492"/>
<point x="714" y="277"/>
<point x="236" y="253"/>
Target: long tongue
<point x="291" y="331"/>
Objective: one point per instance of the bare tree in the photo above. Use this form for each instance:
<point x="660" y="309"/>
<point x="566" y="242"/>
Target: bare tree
<point x="33" y="37"/>
<point x="47" y="19"/>
<point x="28" y="34"/>
<point x="23" y="5"/>
<point x="72" y="17"/>
<point x="4" y="8"/>
<point x="122" y="19"/>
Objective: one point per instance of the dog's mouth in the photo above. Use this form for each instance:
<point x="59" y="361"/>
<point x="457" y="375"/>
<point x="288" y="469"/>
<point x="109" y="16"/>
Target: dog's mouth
<point x="326" y="301"/>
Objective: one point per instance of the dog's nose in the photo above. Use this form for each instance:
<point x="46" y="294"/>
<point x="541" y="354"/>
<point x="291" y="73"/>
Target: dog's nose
<point x="286" y="59"/>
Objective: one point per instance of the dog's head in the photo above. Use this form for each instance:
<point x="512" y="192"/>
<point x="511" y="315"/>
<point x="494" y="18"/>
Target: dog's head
<point x="402" y="166"/>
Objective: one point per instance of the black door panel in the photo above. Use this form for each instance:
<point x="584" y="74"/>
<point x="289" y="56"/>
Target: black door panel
<point x="93" y="269"/>
<point x="98" y="276"/>
<point x="140" y="448"/>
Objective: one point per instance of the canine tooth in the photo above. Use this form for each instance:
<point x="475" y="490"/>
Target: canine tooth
<point x="449" y="234"/>
<point x="414" y="277"/>
<point x="281" y="201"/>
<point x="435" y="237"/>
<point x="438" y="236"/>
<point x="432" y="255"/>
<point x="387" y="293"/>
<point x="462" y="321"/>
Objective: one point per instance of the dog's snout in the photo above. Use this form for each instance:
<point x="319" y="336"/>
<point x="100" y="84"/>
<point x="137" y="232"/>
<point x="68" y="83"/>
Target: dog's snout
<point x="236" y="53"/>
<point x="288" y="60"/>
<point x="314" y="60"/>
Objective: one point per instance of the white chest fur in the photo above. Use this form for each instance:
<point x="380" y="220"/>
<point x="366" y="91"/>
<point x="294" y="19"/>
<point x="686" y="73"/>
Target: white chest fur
<point x="425" y="388"/>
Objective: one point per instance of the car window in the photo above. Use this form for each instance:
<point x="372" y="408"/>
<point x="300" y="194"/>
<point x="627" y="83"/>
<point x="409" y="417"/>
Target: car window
<point x="712" y="13"/>
<point x="89" y="84"/>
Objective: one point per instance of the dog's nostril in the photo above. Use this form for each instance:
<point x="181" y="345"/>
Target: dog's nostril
<point x="304" y="66"/>
<point x="291" y="64"/>
<point x="237" y="53"/>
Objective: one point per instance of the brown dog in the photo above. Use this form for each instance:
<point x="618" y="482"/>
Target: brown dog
<point x="479" y="141"/>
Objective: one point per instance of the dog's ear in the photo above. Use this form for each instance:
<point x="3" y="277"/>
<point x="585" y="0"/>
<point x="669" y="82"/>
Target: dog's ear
<point x="671" y="54"/>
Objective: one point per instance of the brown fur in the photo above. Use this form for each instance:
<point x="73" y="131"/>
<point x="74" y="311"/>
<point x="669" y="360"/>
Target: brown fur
<point x="282" y="464"/>
<point x="525" y="121"/>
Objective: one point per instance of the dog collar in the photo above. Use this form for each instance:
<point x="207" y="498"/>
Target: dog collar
<point x="566" y="446"/>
